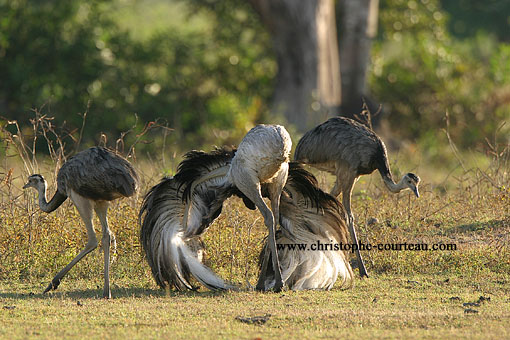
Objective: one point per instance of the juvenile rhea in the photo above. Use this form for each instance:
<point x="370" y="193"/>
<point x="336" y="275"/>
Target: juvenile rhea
<point x="92" y="178"/>
<point x="348" y="149"/>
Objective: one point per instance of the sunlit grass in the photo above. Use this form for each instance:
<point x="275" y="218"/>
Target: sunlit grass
<point x="384" y="306"/>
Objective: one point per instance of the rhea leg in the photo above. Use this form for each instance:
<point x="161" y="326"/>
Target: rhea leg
<point x="269" y="221"/>
<point x="101" y="211"/>
<point x="275" y="192"/>
<point x="84" y="207"/>
<point x="337" y="188"/>
<point x="345" y="184"/>
<point x="276" y="189"/>
<point x="263" y="270"/>
<point x="249" y="185"/>
<point x="347" y="187"/>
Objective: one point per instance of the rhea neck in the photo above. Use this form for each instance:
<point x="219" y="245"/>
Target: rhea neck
<point x="43" y="203"/>
<point x="392" y="186"/>
<point x="55" y="201"/>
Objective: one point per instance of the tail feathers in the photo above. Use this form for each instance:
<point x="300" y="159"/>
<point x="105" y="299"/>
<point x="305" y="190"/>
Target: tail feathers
<point x="178" y="262"/>
<point x="175" y="259"/>
<point x="302" y="268"/>
<point x="202" y="273"/>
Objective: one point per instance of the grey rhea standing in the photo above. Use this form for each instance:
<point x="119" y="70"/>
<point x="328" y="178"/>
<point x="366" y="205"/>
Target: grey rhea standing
<point x="91" y="178"/>
<point x="261" y="158"/>
<point x="348" y="149"/>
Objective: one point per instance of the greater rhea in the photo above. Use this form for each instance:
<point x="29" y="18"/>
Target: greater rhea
<point x="91" y="178"/>
<point x="310" y="220"/>
<point x="348" y="149"/>
<point x="262" y="158"/>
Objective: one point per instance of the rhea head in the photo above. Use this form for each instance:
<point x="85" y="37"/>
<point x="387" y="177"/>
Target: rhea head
<point x="412" y="181"/>
<point x="35" y="181"/>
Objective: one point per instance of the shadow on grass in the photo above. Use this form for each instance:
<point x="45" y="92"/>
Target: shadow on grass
<point x="117" y="293"/>
<point x="479" y="226"/>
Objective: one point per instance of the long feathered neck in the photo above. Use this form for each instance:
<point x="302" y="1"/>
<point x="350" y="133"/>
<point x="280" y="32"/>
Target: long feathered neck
<point x="392" y="186"/>
<point x="55" y="201"/>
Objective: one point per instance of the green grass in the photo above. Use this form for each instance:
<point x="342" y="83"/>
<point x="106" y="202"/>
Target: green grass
<point x="409" y="294"/>
<point x="383" y="307"/>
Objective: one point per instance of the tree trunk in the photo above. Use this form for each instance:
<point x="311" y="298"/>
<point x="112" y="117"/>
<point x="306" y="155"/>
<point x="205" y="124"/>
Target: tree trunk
<point x="304" y="35"/>
<point x="357" y="27"/>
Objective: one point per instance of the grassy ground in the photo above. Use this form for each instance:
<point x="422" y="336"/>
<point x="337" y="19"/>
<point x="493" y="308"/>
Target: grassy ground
<point x="383" y="307"/>
<point x="419" y="294"/>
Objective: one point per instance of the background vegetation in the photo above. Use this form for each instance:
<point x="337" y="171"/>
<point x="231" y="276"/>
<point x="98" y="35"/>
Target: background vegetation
<point x="206" y="67"/>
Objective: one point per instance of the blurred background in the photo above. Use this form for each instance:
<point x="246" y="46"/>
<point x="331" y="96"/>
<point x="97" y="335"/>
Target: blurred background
<point x="211" y="69"/>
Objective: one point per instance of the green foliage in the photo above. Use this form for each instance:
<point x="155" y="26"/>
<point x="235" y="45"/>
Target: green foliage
<point x="214" y="79"/>
<point x="468" y="17"/>
<point x="48" y="53"/>
<point x="206" y="67"/>
<point x="420" y="73"/>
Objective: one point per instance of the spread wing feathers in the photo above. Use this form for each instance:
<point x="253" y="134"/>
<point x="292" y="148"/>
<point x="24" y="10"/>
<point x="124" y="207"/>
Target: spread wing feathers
<point x="303" y="188"/>
<point x="308" y="217"/>
<point x="204" y="186"/>
<point x="174" y="259"/>
<point x="197" y="164"/>
<point x="345" y="140"/>
<point x="98" y="174"/>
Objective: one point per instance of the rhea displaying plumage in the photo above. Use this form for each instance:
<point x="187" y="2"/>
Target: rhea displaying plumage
<point x="309" y="217"/>
<point x="348" y="149"/>
<point x="91" y="178"/>
<point x="261" y="158"/>
<point x="173" y="248"/>
<point x="174" y="252"/>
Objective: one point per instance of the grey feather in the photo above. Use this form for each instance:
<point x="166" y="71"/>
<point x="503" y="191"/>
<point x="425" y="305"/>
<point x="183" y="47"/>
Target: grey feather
<point x="91" y="179"/>
<point x="343" y="140"/>
<point x="305" y="210"/>
<point x="173" y="252"/>
<point x="309" y="216"/>
<point x="98" y="174"/>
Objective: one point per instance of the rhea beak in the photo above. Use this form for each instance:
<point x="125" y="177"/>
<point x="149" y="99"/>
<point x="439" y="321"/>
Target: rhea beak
<point x="26" y="185"/>
<point x="415" y="190"/>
